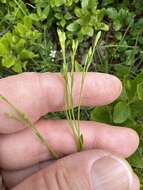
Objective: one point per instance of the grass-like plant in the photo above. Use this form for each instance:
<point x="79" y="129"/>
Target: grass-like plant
<point x="23" y="118"/>
<point x="68" y="74"/>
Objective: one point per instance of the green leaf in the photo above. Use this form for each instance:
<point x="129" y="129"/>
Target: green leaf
<point x="43" y="13"/>
<point x="20" y="45"/>
<point x="87" y="30"/>
<point x="121" y="112"/>
<point x="107" y="2"/>
<point x="21" y="30"/>
<point x="130" y="86"/>
<point x="92" y="4"/>
<point x="26" y="54"/>
<point x="136" y="160"/>
<point x="78" y="67"/>
<point x="117" y="25"/>
<point x="73" y="27"/>
<point x="101" y="114"/>
<point x="68" y="16"/>
<point x="17" y="67"/>
<point x="59" y="15"/>
<point x="57" y="3"/>
<point x="121" y="70"/>
<point x="100" y="14"/>
<point x="78" y="12"/>
<point x="98" y="36"/>
<point x="139" y="77"/>
<point x="63" y="22"/>
<point x="137" y="109"/>
<point x="84" y="3"/>
<point x="140" y="90"/>
<point x="9" y="61"/>
<point x="112" y="13"/>
<point x="34" y="17"/>
<point x="118" y="35"/>
<point x="62" y="39"/>
<point x="4" y="50"/>
<point x="27" y="21"/>
<point x="103" y="27"/>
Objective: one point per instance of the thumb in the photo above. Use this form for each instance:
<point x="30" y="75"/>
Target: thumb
<point x="88" y="170"/>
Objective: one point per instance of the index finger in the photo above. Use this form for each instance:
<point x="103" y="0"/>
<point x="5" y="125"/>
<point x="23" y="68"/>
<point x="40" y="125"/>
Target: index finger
<point x="39" y="93"/>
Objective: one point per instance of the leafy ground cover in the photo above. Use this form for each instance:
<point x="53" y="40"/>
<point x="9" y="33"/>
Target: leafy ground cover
<point x="29" y="42"/>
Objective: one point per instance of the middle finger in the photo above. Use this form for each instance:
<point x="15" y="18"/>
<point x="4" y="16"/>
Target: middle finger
<point x="23" y="149"/>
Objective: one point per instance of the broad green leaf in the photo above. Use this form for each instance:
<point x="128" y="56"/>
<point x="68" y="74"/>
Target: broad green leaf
<point x="3" y="1"/>
<point x="17" y="67"/>
<point x="34" y="17"/>
<point x="130" y="86"/>
<point x="84" y="3"/>
<point x="139" y="77"/>
<point x="6" y="39"/>
<point x="100" y="14"/>
<point x="103" y="27"/>
<point x="124" y="96"/>
<point x="121" y="70"/>
<point x="20" y="44"/>
<point x="112" y="13"/>
<point x="87" y="30"/>
<point x="117" y="25"/>
<point x="46" y="11"/>
<point x="137" y="109"/>
<point x="92" y="4"/>
<point x="73" y="27"/>
<point x="4" y="50"/>
<point x="140" y="90"/>
<point x="121" y="112"/>
<point x="118" y="35"/>
<point x="27" y="21"/>
<point x="57" y="3"/>
<point x="78" y="12"/>
<point x="68" y="16"/>
<point x="43" y="13"/>
<point x="107" y="2"/>
<point x="136" y="160"/>
<point x="21" y="30"/>
<point x="9" y="61"/>
<point x="101" y="114"/>
<point x="63" y="22"/>
<point x="26" y="54"/>
<point x="59" y="16"/>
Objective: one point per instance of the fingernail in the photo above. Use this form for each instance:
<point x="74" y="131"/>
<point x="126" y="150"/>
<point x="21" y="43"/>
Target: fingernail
<point x="110" y="173"/>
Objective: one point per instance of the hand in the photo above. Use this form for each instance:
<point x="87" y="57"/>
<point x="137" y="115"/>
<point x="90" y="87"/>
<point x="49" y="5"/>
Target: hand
<point x="24" y="159"/>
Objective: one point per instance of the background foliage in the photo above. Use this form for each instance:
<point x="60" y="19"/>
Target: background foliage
<point x="29" y="42"/>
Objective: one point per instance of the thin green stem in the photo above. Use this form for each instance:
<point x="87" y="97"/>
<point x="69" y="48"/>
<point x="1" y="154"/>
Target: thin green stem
<point x="88" y="61"/>
<point x="124" y="46"/>
<point x="24" y="119"/>
<point x="69" y="83"/>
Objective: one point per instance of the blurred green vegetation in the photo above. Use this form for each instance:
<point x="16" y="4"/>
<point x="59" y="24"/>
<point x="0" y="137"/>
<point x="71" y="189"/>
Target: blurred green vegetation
<point x="29" y="42"/>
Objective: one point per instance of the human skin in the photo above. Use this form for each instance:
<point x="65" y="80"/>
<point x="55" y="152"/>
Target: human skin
<point x="25" y="162"/>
